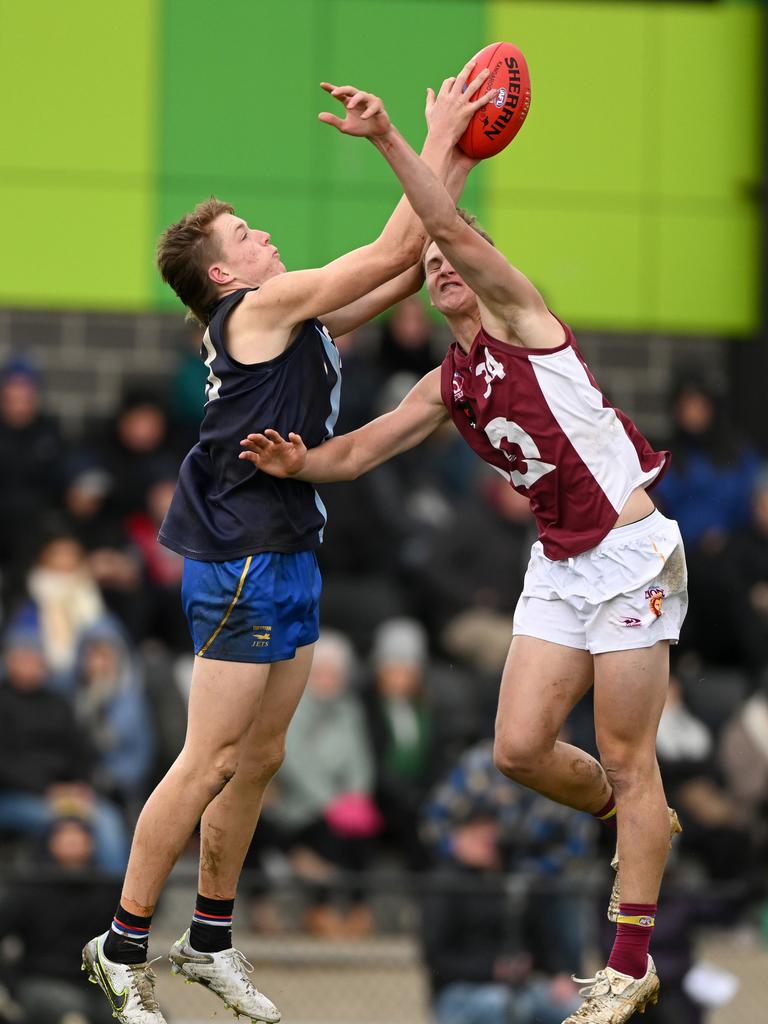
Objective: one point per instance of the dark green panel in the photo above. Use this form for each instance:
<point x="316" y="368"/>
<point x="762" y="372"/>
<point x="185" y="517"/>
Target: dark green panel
<point x="232" y="123"/>
<point x="240" y="97"/>
<point x="237" y="91"/>
<point x="401" y="48"/>
<point x="401" y="62"/>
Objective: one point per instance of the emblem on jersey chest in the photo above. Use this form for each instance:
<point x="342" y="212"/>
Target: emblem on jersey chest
<point x="491" y="369"/>
<point x="460" y="399"/>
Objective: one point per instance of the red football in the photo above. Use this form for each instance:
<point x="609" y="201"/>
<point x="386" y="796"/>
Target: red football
<point x="495" y="125"/>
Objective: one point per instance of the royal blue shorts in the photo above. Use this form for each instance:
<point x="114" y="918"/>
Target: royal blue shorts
<point x="259" y="608"/>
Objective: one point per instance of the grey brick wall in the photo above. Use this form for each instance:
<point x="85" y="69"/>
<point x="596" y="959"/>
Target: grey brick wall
<point x="87" y="357"/>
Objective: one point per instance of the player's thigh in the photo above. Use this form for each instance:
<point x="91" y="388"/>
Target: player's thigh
<point x="630" y="690"/>
<point x="285" y="687"/>
<point x="223" y="703"/>
<point x="541" y="683"/>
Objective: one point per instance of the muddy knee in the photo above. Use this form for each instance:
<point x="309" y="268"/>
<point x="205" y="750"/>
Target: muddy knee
<point x="628" y="770"/>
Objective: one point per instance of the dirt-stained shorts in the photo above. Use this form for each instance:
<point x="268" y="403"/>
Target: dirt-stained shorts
<point x="627" y="592"/>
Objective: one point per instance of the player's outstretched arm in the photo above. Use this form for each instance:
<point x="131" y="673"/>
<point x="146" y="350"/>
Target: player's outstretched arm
<point x="360" y="312"/>
<point x="514" y="307"/>
<point x="350" y="455"/>
<point x="289" y="299"/>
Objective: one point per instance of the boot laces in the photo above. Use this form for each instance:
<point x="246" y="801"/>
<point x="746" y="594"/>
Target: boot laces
<point x="144" y="979"/>
<point x="240" y="962"/>
<point x="600" y="985"/>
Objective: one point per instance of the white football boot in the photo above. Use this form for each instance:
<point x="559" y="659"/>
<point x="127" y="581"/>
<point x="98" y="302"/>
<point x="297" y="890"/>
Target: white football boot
<point x="130" y="988"/>
<point x="613" y="998"/>
<point x="226" y="975"/>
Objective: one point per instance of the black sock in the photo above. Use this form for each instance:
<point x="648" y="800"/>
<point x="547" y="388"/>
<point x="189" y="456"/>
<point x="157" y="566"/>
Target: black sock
<point x="128" y="938"/>
<point x="211" y="930"/>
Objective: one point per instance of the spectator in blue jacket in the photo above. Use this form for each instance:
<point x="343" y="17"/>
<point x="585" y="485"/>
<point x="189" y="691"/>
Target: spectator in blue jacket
<point x="111" y="707"/>
<point x="497" y="943"/>
<point x="46" y="770"/>
<point x="708" y="487"/>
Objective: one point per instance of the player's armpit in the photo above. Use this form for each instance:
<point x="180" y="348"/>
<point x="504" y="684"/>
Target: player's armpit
<point x="354" y="315"/>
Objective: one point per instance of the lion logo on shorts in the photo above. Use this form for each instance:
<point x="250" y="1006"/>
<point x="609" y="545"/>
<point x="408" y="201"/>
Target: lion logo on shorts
<point x="655" y="597"/>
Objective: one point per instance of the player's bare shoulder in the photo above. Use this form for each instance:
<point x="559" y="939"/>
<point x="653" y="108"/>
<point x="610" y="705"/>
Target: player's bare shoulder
<point x="256" y="331"/>
<point x="528" y="326"/>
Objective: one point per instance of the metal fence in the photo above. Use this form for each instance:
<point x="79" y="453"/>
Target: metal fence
<point x="383" y="977"/>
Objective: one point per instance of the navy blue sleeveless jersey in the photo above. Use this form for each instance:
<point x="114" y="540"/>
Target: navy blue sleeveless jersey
<point x="224" y="507"/>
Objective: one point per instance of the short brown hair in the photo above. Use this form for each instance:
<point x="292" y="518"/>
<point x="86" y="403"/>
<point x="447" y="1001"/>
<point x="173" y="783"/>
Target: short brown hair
<point x="469" y="218"/>
<point x="185" y="250"/>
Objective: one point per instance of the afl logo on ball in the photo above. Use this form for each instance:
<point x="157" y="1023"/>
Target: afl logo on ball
<point x="501" y="98"/>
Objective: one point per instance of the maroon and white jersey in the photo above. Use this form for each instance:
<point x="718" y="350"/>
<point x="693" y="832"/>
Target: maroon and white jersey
<point x="539" y="418"/>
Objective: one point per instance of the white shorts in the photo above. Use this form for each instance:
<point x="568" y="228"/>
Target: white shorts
<point x="627" y="592"/>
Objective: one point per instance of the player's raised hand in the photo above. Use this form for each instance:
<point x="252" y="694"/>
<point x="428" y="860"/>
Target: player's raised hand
<point x="365" y="113"/>
<point x="448" y="113"/>
<point x="273" y="454"/>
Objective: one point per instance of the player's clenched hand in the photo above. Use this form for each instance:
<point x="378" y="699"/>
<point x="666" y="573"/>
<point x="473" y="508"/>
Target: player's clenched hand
<point x="449" y="112"/>
<point x="365" y="113"/>
<point x="273" y="454"/>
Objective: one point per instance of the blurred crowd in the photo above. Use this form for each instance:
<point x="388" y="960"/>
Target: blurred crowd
<point x="388" y="759"/>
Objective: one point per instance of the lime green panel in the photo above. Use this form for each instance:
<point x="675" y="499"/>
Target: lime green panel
<point x="710" y="66"/>
<point x="81" y="73"/>
<point x="707" y="272"/>
<point x="547" y="243"/>
<point x="76" y="246"/>
<point x="647" y="115"/>
<point x="75" y="166"/>
<point x="586" y="129"/>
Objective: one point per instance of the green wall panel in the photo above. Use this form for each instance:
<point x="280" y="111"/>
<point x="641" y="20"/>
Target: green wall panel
<point x="76" y="247"/>
<point x="707" y="272"/>
<point x="233" y="125"/>
<point x="76" y="163"/>
<point x="568" y="272"/>
<point x="586" y="130"/>
<point x="709" y="132"/>
<point x="645" y="116"/>
<point x="629" y="196"/>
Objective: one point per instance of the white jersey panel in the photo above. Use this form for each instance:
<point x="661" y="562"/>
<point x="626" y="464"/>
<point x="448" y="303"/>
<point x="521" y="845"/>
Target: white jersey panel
<point x="596" y="432"/>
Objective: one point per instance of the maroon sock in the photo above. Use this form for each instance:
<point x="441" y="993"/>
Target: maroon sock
<point x="607" y="814"/>
<point x="633" y="934"/>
